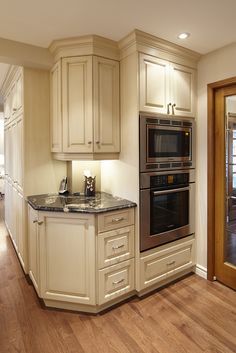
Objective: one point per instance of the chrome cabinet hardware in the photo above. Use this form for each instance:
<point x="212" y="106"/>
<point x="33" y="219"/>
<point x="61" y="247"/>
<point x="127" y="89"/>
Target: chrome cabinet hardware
<point x="171" y="263"/>
<point x="118" y="247"/>
<point x="168" y="108"/>
<point x="173" y="109"/>
<point x="117" y="282"/>
<point x="118" y="219"/>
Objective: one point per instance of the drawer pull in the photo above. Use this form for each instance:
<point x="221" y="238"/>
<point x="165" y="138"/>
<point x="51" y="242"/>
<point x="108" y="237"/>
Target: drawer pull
<point x="171" y="263"/>
<point x="118" y="219"/>
<point x="35" y="221"/>
<point x="118" y="247"/>
<point x="118" y="282"/>
<point x="40" y="222"/>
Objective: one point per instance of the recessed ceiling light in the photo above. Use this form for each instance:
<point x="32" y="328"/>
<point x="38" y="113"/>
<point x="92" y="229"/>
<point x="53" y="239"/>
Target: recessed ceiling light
<point x="183" y="35"/>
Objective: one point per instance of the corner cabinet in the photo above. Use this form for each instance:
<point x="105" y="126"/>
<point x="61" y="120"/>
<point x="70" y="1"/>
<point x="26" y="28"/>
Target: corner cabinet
<point x="85" y="108"/>
<point x="166" y="87"/>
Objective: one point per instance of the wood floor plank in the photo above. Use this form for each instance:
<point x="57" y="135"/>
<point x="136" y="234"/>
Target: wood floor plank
<point x="189" y="316"/>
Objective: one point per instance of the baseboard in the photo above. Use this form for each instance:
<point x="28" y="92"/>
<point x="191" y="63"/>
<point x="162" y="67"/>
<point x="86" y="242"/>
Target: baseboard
<point x="201" y="271"/>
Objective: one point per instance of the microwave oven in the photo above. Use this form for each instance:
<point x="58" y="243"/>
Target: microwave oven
<point x="166" y="142"/>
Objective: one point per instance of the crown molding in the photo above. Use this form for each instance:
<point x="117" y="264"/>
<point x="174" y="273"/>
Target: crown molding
<point x="85" y="45"/>
<point x="139" y="41"/>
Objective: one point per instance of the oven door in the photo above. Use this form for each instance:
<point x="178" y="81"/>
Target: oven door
<point x="168" y="143"/>
<point x="165" y="215"/>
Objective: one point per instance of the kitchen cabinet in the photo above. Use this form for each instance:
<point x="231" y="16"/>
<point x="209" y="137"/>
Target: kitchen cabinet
<point x="166" y="87"/>
<point x="160" y="265"/>
<point x="85" y="108"/>
<point x="29" y="168"/>
<point x="90" y="266"/>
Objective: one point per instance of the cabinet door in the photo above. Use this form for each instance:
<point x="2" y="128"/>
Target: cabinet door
<point x="13" y="155"/>
<point x="19" y="93"/>
<point x="106" y="105"/>
<point x="20" y="228"/>
<point x="183" y="90"/>
<point x="33" y="245"/>
<point x="68" y="259"/>
<point x="19" y="153"/>
<point x="55" y="108"/>
<point x="13" y="205"/>
<point x="77" y="104"/>
<point x="154" y="84"/>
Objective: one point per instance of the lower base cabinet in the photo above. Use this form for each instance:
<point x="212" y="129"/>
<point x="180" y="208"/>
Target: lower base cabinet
<point x="63" y="262"/>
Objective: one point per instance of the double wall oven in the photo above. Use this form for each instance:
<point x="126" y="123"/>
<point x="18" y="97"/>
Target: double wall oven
<point x="167" y="179"/>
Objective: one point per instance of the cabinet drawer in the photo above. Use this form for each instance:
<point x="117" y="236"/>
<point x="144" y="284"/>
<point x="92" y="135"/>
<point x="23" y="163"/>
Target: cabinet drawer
<point x="117" y="219"/>
<point x="115" y="281"/>
<point x="115" y="246"/>
<point x="159" y="265"/>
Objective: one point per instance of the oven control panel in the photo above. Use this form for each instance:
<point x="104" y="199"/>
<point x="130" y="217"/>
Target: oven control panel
<point x="168" y="180"/>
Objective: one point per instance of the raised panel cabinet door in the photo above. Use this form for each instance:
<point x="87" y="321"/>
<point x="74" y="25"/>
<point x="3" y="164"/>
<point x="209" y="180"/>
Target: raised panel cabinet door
<point x="20" y="226"/>
<point x="106" y="105"/>
<point x="14" y="155"/>
<point x="33" y="245"/>
<point x="77" y="98"/>
<point x="154" y="84"/>
<point x="19" y="153"/>
<point x="183" y="90"/>
<point x="55" y="108"/>
<point x="68" y="259"/>
<point x="19" y="92"/>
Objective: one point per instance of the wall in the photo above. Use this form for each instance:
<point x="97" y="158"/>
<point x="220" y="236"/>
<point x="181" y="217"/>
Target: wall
<point x="218" y="65"/>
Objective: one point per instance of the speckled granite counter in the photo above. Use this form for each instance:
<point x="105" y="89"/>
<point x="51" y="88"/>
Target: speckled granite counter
<point x="101" y="202"/>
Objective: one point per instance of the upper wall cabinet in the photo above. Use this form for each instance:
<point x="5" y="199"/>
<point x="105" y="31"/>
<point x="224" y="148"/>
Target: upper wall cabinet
<point x="166" y="87"/>
<point x="85" y="108"/>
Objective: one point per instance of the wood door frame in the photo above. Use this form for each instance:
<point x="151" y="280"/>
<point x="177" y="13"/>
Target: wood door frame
<point x="211" y="88"/>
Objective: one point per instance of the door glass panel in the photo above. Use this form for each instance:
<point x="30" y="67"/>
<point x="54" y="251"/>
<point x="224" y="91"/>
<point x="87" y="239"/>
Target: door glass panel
<point x="230" y="159"/>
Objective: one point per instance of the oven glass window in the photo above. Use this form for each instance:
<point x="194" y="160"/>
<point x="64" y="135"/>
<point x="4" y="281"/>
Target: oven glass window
<point x="168" y="211"/>
<point x="168" y="143"/>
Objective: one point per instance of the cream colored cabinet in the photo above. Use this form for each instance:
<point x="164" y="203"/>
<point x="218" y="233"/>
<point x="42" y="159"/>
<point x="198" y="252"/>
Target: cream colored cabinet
<point x="166" y="87"/>
<point x="33" y="246"/>
<point x="157" y="266"/>
<point x="85" y="118"/>
<point x="67" y="258"/>
<point x="74" y="266"/>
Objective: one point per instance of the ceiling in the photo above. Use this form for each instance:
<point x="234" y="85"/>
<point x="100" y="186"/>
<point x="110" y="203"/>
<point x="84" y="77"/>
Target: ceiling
<point x="210" y="22"/>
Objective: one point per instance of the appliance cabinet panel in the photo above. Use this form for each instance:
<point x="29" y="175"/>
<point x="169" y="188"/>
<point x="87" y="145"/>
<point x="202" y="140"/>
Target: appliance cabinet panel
<point x="55" y="108"/>
<point x="106" y="105"/>
<point x="161" y="263"/>
<point x="67" y="259"/>
<point x="77" y="98"/>
<point x="115" y="246"/>
<point x="154" y="84"/>
<point x="115" y="281"/>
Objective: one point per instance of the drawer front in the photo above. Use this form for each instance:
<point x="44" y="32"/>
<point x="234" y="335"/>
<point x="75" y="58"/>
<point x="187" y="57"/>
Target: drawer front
<point x="115" y="246"/>
<point x="117" y="219"/>
<point x="162" y="264"/>
<point x="115" y="281"/>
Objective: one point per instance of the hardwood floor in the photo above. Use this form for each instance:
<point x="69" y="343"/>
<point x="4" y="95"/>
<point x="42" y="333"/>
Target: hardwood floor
<point x="190" y="316"/>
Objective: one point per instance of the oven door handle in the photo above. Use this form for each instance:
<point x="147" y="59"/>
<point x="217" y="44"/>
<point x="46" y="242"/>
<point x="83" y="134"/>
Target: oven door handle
<point x="170" y="191"/>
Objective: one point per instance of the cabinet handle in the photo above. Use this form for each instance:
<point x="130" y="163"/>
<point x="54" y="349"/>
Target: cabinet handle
<point x="173" y="110"/>
<point x="14" y="109"/>
<point x="171" y="263"/>
<point x="40" y="222"/>
<point x="97" y="142"/>
<point x="35" y="221"/>
<point x="89" y="142"/>
<point x="118" y="247"/>
<point x="117" y="219"/>
<point x="168" y="108"/>
<point x="117" y="282"/>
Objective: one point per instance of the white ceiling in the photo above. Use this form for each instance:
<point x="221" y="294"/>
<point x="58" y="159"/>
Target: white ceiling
<point x="211" y="22"/>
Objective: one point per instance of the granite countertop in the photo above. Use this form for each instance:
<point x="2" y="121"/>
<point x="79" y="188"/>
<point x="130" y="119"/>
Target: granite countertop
<point x="101" y="202"/>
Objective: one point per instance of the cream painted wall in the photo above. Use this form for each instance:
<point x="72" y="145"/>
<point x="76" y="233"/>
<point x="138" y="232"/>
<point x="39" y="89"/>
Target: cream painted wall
<point x="218" y="65"/>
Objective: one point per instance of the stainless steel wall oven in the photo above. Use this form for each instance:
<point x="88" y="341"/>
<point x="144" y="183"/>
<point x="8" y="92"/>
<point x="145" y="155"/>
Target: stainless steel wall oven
<point x="166" y="143"/>
<point x="166" y="207"/>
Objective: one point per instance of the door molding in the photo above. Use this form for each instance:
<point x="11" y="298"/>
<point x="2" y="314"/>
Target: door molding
<point x="211" y="89"/>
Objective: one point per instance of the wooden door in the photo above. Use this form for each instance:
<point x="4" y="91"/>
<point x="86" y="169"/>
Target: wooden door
<point x="182" y="90"/>
<point x="106" y="105"/>
<point x="55" y="108"/>
<point x="77" y="99"/>
<point x="225" y="269"/>
<point x="154" y="84"/>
